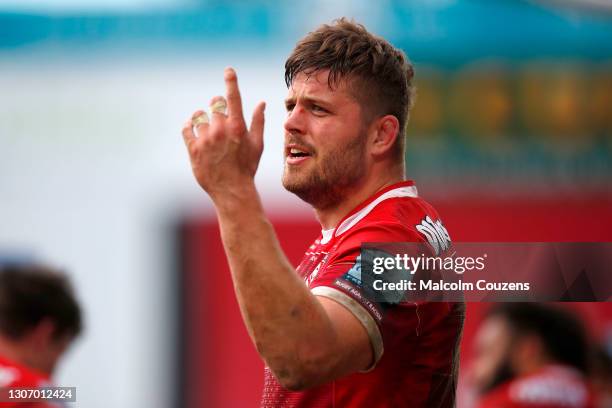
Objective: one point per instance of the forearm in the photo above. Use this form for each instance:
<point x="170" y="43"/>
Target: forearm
<point x="289" y="327"/>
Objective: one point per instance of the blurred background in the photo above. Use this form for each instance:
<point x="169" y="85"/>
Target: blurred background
<point x="510" y="139"/>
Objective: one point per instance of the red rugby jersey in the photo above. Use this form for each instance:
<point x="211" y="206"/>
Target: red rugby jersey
<point x="554" y="386"/>
<point x="13" y="374"/>
<point x="415" y="344"/>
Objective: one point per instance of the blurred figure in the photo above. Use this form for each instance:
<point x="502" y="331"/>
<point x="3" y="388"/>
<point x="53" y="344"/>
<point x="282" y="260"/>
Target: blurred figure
<point x="39" y="319"/>
<point x="531" y="355"/>
<point x="601" y="376"/>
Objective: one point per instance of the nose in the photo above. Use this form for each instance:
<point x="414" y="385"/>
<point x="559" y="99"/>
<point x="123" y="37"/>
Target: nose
<point x="296" y="121"/>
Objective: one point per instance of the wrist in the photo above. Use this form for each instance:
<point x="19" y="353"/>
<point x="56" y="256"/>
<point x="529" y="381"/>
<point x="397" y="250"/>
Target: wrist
<point x="235" y="197"/>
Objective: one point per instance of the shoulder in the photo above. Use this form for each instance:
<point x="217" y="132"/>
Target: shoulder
<point x="553" y="386"/>
<point x="408" y="211"/>
<point x="14" y="375"/>
<point x="401" y="219"/>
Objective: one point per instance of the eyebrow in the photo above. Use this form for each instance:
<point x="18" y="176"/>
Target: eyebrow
<point x="307" y="99"/>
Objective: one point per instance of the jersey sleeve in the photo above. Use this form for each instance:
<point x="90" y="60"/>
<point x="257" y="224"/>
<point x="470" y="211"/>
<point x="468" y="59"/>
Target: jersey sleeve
<point x="340" y="278"/>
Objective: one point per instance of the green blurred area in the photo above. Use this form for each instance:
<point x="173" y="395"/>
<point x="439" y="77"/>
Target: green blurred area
<point x="516" y="123"/>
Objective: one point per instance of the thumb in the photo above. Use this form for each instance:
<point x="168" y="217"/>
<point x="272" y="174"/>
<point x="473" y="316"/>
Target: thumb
<point x="257" y="123"/>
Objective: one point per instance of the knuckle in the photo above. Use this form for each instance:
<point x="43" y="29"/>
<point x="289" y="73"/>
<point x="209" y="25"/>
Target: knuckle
<point x="194" y="150"/>
<point x="236" y="126"/>
<point x="215" y="131"/>
<point x="217" y="136"/>
<point x="216" y="98"/>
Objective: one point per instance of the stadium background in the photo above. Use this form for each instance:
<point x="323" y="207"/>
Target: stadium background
<point x="511" y="140"/>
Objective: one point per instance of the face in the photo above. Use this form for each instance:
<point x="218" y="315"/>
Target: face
<point x="492" y="349"/>
<point x="325" y="141"/>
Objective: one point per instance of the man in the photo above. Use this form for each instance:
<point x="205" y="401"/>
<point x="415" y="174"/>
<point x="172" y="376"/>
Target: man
<point x="530" y="355"/>
<point x="324" y="341"/>
<point x="39" y="319"/>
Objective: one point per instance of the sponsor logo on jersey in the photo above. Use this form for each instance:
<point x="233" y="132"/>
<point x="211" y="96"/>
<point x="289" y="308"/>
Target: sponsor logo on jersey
<point x="435" y="233"/>
<point x="311" y="277"/>
<point x="314" y="274"/>
<point x="354" y="274"/>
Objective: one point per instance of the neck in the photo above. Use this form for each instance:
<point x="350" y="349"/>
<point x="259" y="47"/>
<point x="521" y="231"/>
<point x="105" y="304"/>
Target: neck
<point x="330" y="217"/>
<point x="16" y="352"/>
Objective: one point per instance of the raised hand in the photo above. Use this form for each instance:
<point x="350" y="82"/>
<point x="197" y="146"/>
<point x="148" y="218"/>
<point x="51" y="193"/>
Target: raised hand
<point x="224" y="154"/>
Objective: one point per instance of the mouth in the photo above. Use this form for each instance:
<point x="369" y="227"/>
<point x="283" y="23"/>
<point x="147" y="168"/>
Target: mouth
<point x="296" y="154"/>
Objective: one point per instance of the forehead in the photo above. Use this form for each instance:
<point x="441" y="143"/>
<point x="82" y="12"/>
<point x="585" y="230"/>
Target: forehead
<point x="493" y="331"/>
<point x="316" y="86"/>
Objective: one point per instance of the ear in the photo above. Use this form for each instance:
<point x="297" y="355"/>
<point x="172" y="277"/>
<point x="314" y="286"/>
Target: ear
<point x="533" y="347"/>
<point x="528" y="350"/>
<point x="42" y="334"/>
<point x="385" y="132"/>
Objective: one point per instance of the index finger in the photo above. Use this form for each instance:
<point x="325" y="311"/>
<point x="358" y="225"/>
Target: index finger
<point x="234" y="102"/>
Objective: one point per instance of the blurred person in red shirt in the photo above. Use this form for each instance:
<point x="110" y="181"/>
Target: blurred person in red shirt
<point x="529" y="355"/>
<point x="39" y="319"/>
<point x="601" y="375"/>
<point x="325" y="341"/>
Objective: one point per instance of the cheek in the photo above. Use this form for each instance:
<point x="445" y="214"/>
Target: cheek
<point x="487" y="358"/>
<point x="323" y="137"/>
<point x="495" y="359"/>
<point x="336" y="136"/>
<point x="482" y="369"/>
<point x="320" y="128"/>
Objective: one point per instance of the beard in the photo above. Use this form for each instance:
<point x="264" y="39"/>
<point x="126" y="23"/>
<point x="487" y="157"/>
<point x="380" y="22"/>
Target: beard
<point x="328" y="183"/>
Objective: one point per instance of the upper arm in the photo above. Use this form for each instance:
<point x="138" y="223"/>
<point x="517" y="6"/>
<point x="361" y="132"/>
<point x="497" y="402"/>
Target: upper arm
<point x="355" y="316"/>
<point x="353" y="349"/>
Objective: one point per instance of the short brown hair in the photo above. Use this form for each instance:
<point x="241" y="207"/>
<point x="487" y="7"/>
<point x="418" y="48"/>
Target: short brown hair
<point x="561" y="332"/>
<point x="31" y="293"/>
<point x="379" y="75"/>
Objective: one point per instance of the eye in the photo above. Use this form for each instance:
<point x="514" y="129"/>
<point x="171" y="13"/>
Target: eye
<point x="318" y="109"/>
<point x="289" y="107"/>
